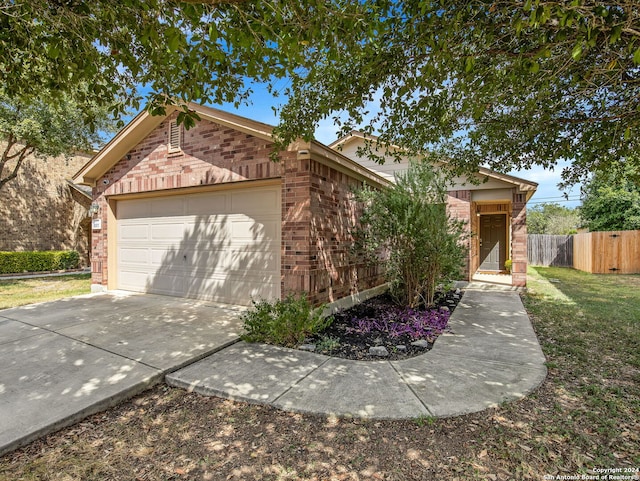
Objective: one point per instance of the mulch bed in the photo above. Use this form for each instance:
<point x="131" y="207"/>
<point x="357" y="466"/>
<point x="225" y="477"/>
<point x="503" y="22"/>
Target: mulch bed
<point x="379" y="322"/>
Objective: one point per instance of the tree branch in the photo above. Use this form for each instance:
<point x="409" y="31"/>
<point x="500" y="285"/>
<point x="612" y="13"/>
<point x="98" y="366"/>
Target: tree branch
<point x="5" y="154"/>
<point x="593" y="120"/>
<point x="24" y="152"/>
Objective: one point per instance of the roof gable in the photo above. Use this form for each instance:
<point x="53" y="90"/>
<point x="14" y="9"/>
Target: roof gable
<point x="144" y="123"/>
<point x="349" y="144"/>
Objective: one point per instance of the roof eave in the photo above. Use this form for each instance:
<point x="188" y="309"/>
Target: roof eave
<point x="346" y="138"/>
<point x="523" y="185"/>
<point x="136" y="130"/>
<point x="325" y="153"/>
<point x="79" y="190"/>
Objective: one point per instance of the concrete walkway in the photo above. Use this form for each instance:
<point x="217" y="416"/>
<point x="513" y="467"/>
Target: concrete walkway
<point x="492" y="355"/>
<point x="64" y="360"/>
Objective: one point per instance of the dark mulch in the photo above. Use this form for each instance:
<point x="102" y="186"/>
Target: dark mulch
<point x="380" y="322"/>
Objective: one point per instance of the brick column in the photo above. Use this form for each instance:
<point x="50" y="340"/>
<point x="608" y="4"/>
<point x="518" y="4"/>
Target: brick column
<point x="519" y="240"/>
<point x="459" y="207"/>
<point x="296" y="225"/>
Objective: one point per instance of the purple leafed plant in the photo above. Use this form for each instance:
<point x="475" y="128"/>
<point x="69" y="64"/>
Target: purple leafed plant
<point x="397" y="322"/>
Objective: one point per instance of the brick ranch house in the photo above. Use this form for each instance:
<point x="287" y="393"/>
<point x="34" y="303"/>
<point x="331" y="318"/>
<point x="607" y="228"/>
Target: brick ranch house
<point x="204" y="213"/>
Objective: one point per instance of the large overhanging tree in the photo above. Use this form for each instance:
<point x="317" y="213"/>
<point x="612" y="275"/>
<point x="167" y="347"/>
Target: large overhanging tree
<point x="509" y="84"/>
<point x="506" y="83"/>
<point x="201" y="51"/>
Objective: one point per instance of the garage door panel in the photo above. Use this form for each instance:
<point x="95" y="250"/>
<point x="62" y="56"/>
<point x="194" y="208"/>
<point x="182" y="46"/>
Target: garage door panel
<point x="203" y="251"/>
<point x="170" y="206"/>
<point x="244" y="230"/>
<point x="193" y="245"/>
<point x="169" y="231"/>
<point x="205" y="204"/>
<point x="209" y="232"/>
<point x="251" y="260"/>
<point x="133" y="232"/>
<point x="166" y="284"/>
<point x="263" y="201"/>
<point x="208" y="288"/>
<point x="133" y="210"/>
<point x="166" y="258"/>
<point x="207" y="263"/>
<point x="132" y="280"/>
<point x="134" y="255"/>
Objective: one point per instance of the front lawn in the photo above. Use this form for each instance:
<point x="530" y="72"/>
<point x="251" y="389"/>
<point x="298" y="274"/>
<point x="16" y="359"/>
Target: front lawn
<point x="585" y="416"/>
<point x="19" y="292"/>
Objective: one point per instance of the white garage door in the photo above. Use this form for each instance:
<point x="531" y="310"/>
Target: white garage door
<point x="221" y="246"/>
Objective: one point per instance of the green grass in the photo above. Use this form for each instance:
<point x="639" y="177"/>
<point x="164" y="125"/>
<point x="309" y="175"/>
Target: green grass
<point x="589" y="329"/>
<point x="19" y="292"/>
<point x="588" y="317"/>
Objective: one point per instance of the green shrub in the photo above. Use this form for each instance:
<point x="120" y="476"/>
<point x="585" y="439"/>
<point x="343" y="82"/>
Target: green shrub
<point x="508" y="264"/>
<point x="408" y="223"/>
<point x="284" y="322"/>
<point x="38" y="261"/>
<point x="326" y="344"/>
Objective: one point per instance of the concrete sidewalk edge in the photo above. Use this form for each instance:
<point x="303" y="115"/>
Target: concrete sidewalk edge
<point x="94" y="408"/>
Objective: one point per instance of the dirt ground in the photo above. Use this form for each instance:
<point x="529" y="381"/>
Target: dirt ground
<point x="168" y="434"/>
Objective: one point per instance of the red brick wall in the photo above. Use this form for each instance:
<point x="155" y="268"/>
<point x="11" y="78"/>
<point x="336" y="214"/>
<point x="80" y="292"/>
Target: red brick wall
<point x="317" y="210"/>
<point x="211" y="154"/>
<point x="459" y="206"/>
<point x="333" y="271"/>
<point x="519" y="240"/>
<point x="318" y="216"/>
<point x="296" y="221"/>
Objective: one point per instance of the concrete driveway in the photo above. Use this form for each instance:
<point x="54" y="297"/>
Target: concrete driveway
<point x="61" y="361"/>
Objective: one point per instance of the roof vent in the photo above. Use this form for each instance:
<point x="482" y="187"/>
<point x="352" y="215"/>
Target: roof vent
<point x="175" y="136"/>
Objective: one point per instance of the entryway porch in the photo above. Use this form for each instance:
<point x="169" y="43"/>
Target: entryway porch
<point x="491" y="242"/>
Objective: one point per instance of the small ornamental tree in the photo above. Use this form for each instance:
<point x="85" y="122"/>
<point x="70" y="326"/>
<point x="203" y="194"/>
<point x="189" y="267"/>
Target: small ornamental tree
<point x="409" y="224"/>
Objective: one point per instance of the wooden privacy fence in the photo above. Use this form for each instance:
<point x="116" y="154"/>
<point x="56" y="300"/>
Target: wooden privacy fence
<point x="550" y="250"/>
<point x="616" y="252"/>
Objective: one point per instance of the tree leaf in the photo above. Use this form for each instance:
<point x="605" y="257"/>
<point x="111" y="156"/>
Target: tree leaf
<point x="174" y="38"/>
<point x="576" y="53"/>
<point x="468" y="64"/>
